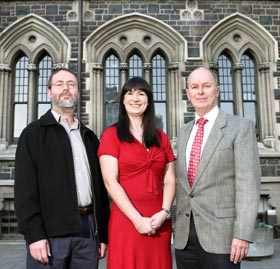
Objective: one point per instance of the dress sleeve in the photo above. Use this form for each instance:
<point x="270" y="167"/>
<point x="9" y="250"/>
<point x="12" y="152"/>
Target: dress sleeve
<point x="109" y="143"/>
<point x="167" y="147"/>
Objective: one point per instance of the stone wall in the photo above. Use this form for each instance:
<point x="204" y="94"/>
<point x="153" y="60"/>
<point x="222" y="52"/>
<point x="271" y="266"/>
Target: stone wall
<point x="63" y="14"/>
<point x="204" y="14"/>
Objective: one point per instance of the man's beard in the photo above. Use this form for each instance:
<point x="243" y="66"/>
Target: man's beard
<point x="70" y="103"/>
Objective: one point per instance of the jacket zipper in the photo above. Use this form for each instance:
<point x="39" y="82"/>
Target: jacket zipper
<point x="93" y="196"/>
<point x="94" y="213"/>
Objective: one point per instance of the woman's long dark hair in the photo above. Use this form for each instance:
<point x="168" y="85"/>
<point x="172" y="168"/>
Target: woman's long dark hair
<point x="150" y="133"/>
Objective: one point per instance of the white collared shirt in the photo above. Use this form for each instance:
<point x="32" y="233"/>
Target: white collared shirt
<point x="211" y="116"/>
<point x="81" y="164"/>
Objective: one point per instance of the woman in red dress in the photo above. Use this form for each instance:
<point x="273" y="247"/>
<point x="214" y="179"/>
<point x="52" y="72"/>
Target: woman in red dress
<point x="137" y="164"/>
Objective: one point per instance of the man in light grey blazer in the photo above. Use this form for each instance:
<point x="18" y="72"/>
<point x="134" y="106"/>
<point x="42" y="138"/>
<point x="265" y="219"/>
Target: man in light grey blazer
<point x="217" y="198"/>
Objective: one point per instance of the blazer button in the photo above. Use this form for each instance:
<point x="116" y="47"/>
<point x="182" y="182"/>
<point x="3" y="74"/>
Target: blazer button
<point x="191" y="195"/>
<point x="187" y="214"/>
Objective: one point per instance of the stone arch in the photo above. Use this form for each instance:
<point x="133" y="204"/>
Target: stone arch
<point x="15" y="51"/>
<point x="147" y="34"/>
<point x="254" y="51"/>
<point x="108" y="48"/>
<point x="43" y="49"/>
<point x="123" y="26"/>
<point x="238" y="33"/>
<point x="30" y="34"/>
<point x="228" y="49"/>
<point x="109" y="52"/>
<point x="34" y="31"/>
<point x="135" y="48"/>
<point x="162" y="48"/>
<point x="238" y="30"/>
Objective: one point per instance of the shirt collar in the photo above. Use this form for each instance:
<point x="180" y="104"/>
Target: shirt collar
<point x="57" y="116"/>
<point x="210" y="116"/>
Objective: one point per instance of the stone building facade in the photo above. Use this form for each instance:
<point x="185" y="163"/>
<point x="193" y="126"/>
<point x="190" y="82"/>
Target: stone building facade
<point x="106" y="42"/>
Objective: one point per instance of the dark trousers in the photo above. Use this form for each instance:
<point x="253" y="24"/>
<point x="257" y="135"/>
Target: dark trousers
<point x="71" y="252"/>
<point x="193" y="256"/>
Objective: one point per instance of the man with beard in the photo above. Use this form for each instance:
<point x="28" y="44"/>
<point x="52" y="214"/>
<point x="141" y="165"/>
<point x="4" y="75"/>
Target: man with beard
<point x="61" y="203"/>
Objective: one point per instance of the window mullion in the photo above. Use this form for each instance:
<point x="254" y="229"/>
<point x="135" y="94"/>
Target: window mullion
<point x="237" y="71"/>
<point x="31" y="105"/>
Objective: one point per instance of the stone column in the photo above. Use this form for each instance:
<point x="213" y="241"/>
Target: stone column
<point x="32" y="92"/>
<point x="173" y="100"/>
<point x="265" y="104"/>
<point x="2" y="89"/>
<point x="96" y="99"/>
<point x="213" y="66"/>
<point x="123" y="74"/>
<point x="5" y="105"/>
<point x="237" y="88"/>
<point x="147" y="72"/>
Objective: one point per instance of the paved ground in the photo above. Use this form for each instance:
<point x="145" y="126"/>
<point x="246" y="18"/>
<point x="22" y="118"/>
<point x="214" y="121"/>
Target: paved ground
<point x="12" y="256"/>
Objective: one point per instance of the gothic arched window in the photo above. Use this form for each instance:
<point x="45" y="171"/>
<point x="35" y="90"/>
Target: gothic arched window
<point x="45" y="67"/>
<point x="249" y="98"/>
<point x="227" y="103"/>
<point x="135" y="66"/>
<point x="159" y="79"/>
<point x="20" y="99"/>
<point x="111" y="88"/>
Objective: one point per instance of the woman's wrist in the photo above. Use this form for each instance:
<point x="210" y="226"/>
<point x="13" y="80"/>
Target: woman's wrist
<point x="136" y="218"/>
<point x="166" y="211"/>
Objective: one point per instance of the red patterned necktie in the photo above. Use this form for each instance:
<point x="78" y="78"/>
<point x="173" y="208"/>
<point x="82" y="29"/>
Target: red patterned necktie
<point x="195" y="151"/>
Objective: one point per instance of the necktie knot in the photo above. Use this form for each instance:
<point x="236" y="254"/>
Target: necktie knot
<point x="201" y="122"/>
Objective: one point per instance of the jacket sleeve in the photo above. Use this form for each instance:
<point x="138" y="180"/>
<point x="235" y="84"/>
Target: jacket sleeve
<point x="247" y="181"/>
<point x="27" y="201"/>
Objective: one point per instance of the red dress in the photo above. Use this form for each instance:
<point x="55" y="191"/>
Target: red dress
<point x="141" y="173"/>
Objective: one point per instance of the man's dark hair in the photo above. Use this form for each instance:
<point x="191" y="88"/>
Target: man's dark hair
<point x="150" y="133"/>
<point x="57" y="71"/>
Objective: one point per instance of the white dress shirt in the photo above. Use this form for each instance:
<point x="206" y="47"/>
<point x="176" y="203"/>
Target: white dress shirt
<point x="81" y="164"/>
<point x="211" y="116"/>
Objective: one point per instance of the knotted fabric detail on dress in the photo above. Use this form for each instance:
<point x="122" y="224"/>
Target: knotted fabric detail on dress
<point x="195" y="151"/>
<point x="147" y="166"/>
<point x="152" y="181"/>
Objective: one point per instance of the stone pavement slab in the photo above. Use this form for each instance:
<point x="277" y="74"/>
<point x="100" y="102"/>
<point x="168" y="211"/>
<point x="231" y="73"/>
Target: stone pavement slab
<point x="12" y="256"/>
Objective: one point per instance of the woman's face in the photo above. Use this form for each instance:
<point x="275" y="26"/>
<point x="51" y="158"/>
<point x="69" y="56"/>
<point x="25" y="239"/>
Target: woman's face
<point x="135" y="102"/>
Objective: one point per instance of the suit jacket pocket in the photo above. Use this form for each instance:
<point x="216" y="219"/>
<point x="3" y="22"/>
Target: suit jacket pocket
<point x="228" y="212"/>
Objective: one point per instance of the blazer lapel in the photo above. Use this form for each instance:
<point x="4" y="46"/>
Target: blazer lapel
<point x="213" y="140"/>
<point x="182" y="149"/>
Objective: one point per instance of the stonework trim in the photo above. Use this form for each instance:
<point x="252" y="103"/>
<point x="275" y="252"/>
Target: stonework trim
<point x="236" y="35"/>
<point x="34" y="24"/>
<point x="32" y="36"/>
<point x="132" y="20"/>
<point x="119" y="35"/>
<point x="248" y="25"/>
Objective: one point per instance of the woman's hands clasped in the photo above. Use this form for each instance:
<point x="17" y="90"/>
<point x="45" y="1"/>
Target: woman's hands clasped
<point x="158" y="219"/>
<point x="149" y="225"/>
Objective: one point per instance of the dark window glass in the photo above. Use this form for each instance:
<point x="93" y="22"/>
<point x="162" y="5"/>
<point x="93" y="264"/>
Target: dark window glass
<point x="135" y="66"/>
<point x="225" y="82"/>
<point x="112" y="83"/>
<point x="20" y="96"/>
<point x="249" y="87"/>
<point x="159" y="89"/>
<point x="45" y="69"/>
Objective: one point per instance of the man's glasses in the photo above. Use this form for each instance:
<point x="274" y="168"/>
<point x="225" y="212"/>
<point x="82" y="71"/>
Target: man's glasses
<point x="68" y="84"/>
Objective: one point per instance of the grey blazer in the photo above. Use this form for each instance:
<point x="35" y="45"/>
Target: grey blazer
<point x="225" y="194"/>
